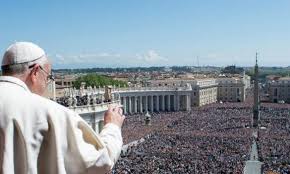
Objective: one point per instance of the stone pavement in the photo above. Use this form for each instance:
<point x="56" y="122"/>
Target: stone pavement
<point x="253" y="166"/>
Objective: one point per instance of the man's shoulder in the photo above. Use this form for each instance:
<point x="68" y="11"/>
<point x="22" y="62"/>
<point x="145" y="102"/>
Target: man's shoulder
<point x="50" y="104"/>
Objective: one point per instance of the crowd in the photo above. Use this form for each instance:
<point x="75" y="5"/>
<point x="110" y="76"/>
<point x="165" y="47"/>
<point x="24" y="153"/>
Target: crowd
<point x="274" y="140"/>
<point x="211" y="139"/>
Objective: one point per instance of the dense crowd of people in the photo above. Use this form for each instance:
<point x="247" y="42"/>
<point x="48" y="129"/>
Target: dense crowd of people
<point x="274" y="138"/>
<point x="211" y="139"/>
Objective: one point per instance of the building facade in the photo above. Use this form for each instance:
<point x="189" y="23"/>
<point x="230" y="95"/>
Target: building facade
<point x="204" y="92"/>
<point x="155" y="99"/>
<point x="232" y="89"/>
<point x="279" y="90"/>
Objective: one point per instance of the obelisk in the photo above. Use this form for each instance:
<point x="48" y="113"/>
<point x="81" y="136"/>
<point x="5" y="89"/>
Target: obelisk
<point x="256" y="107"/>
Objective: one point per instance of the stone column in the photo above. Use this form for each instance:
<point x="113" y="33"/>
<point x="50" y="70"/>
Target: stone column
<point x="101" y="125"/>
<point x="163" y="102"/>
<point x="188" y="103"/>
<point x="125" y="105"/>
<point x="93" y="121"/>
<point x="152" y="104"/>
<point x="178" y="102"/>
<point x="135" y="105"/>
<point x="169" y="104"/>
<point x="122" y="101"/>
<point x="146" y="103"/>
<point x="157" y="103"/>
<point x="140" y="104"/>
<point x="130" y="105"/>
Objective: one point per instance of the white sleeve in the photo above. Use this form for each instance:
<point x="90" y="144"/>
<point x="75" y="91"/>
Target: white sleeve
<point x="99" y="153"/>
<point x="111" y="136"/>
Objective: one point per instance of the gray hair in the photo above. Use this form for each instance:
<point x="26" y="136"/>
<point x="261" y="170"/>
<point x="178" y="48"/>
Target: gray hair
<point x="21" y="68"/>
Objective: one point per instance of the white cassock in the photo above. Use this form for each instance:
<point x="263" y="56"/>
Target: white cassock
<point x="40" y="136"/>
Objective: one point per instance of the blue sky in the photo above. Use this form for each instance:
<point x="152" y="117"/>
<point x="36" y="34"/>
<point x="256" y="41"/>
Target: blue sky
<point x="125" y="33"/>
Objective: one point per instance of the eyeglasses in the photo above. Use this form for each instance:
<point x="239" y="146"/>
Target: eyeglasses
<point x="49" y="76"/>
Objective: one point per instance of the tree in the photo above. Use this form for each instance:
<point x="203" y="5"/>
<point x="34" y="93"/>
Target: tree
<point x="97" y="80"/>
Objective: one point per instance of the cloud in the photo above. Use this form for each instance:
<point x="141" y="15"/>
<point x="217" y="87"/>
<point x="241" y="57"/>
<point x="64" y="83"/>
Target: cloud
<point x="108" y="59"/>
<point x="98" y="55"/>
<point x="108" y="55"/>
<point x="151" y="57"/>
<point x="84" y="58"/>
<point x="60" y="58"/>
<point x="212" y="55"/>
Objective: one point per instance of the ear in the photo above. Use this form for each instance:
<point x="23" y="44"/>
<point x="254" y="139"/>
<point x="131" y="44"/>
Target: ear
<point x="34" y="72"/>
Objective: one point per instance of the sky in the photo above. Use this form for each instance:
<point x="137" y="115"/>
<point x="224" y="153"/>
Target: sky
<point x="130" y="33"/>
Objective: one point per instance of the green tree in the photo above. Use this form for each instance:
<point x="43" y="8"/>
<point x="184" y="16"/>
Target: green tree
<point x="97" y="80"/>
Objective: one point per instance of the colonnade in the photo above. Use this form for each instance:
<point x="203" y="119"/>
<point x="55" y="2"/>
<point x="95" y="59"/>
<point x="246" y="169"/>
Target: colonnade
<point x="154" y="103"/>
